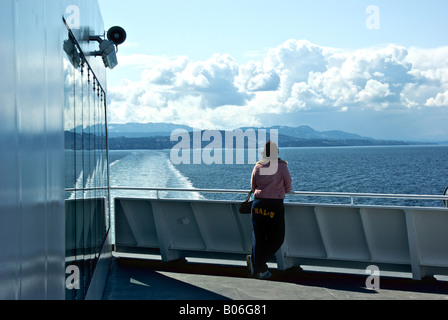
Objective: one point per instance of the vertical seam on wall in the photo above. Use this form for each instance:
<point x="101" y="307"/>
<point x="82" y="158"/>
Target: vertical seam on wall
<point x="17" y="143"/>
<point x="47" y="203"/>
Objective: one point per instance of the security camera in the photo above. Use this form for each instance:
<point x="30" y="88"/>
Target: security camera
<point x="108" y="48"/>
<point x="108" y="52"/>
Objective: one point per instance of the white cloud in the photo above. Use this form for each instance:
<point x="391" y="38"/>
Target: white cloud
<point x="441" y="100"/>
<point x="374" y="91"/>
<point x="254" y="76"/>
<point x="337" y="89"/>
<point x="166" y="71"/>
<point x="296" y="77"/>
<point x="302" y="97"/>
<point x="300" y="57"/>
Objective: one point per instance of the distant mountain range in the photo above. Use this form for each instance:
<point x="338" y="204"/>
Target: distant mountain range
<point x="156" y="136"/>
<point x="132" y="136"/>
<point x="306" y="132"/>
<point x="145" y="130"/>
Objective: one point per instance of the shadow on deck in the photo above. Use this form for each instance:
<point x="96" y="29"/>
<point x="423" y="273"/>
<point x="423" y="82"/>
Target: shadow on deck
<point x="137" y="279"/>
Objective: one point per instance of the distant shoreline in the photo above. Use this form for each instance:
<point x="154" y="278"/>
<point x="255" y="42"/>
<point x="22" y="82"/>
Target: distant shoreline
<point x="157" y="136"/>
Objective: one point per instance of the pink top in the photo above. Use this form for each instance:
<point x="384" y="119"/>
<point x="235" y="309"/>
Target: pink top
<point x="271" y="186"/>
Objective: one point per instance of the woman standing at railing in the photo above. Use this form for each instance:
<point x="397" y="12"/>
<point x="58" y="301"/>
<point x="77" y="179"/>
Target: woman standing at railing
<point x="271" y="181"/>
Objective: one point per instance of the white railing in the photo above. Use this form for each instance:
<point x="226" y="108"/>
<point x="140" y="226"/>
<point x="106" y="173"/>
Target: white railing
<point x="349" y="195"/>
<point x="404" y="239"/>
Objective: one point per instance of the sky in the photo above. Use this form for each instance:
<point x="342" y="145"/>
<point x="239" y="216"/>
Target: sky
<point x="376" y="68"/>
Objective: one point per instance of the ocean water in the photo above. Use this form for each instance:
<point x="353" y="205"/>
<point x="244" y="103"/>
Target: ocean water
<point x="388" y="170"/>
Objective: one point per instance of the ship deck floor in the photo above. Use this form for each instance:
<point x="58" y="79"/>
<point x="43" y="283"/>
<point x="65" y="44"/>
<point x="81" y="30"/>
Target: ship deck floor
<point x="134" y="278"/>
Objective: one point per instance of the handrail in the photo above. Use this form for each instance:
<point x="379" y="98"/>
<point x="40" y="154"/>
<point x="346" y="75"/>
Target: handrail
<point x="86" y="189"/>
<point x="180" y="190"/>
<point x="299" y="193"/>
<point x="350" y="195"/>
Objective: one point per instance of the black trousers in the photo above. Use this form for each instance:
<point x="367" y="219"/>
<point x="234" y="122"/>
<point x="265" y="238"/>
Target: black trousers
<point x="268" y="220"/>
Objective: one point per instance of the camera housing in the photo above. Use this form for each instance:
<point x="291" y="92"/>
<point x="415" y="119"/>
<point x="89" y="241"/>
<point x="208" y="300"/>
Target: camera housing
<point x="108" y="48"/>
<point x="108" y="52"/>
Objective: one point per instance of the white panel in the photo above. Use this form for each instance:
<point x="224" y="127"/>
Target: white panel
<point x="386" y="235"/>
<point x="181" y="225"/>
<point x="32" y="145"/>
<point x="32" y="219"/>
<point x="432" y="237"/>
<point x="55" y="162"/>
<point x="342" y="233"/>
<point x="219" y="227"/>
<point x="140" y="218"/>
<point x="302" y="233"/>
<point x="123" y="232"/>
<point x="9" y="168"/>
<point x="245" y="226"/>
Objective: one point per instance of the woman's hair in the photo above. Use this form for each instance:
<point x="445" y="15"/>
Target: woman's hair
<point x="270" y="150"/>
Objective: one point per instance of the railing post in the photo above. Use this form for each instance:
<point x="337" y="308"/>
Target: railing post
<point x="163" y="234"/>
<point x="414" y="250"/>
<point x="283" y="262"/>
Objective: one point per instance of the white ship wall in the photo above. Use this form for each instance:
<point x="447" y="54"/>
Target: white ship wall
<point x="32" y="211"/>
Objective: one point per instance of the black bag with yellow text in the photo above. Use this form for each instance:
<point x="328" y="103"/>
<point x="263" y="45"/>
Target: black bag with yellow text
<point x="246" y="206"/>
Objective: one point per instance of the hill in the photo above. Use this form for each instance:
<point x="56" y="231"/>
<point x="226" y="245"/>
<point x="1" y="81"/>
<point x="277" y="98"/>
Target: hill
<point x="156" y="136"/>
<point x="144" y="130"/>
